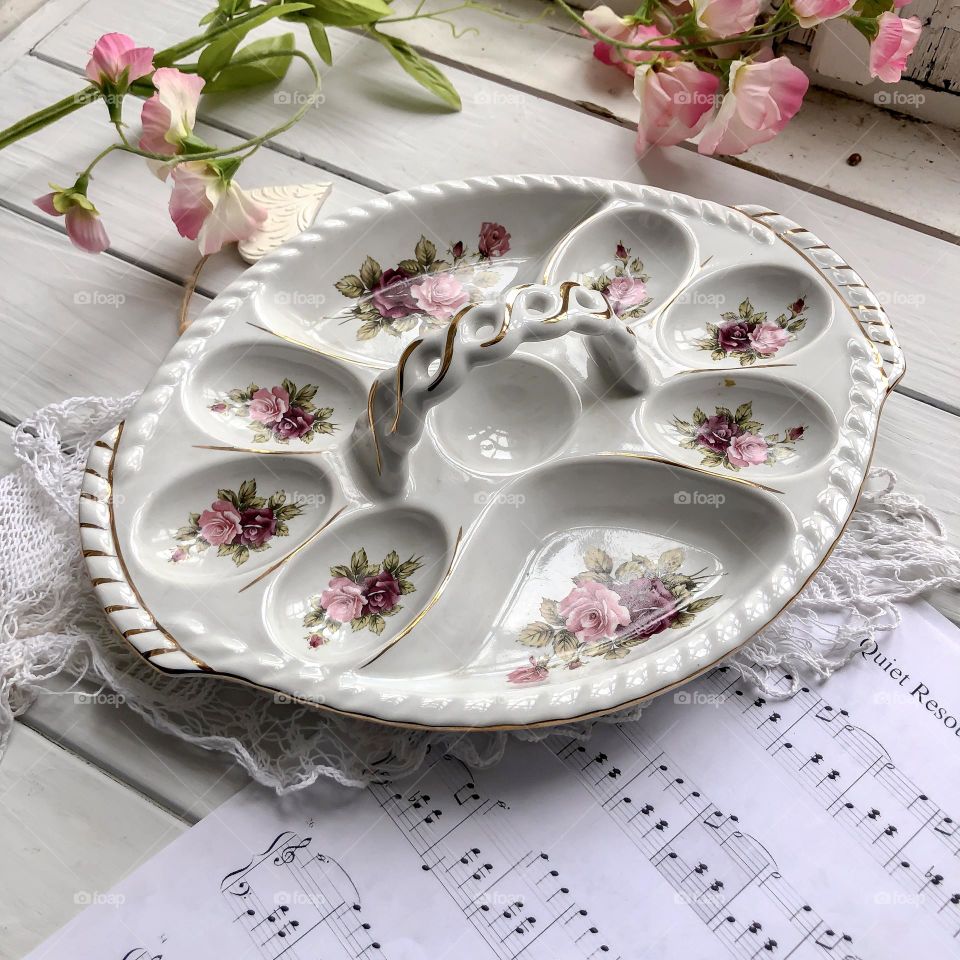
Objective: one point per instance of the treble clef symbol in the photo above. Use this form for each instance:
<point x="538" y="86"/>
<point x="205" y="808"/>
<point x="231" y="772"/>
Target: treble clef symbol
<point x="289" y="853"/>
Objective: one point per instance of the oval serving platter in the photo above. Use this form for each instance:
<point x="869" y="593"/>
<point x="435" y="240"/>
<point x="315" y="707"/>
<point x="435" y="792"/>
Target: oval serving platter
<point x="500" y="453"/>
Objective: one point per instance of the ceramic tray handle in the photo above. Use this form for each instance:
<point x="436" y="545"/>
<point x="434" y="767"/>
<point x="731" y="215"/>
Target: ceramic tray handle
<point x="434" y="366"/>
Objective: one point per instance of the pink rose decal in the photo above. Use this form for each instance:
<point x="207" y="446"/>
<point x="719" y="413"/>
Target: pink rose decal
<point x="615" y="606"/>
<point x="420" y="288"/>
<point x="381" y="592"/>
<point x="236" y="523"/>
<point x="439" y="296"/>
<point x="269" y="406"/>
<point x="747" y="334"/>
<point x="651" y="605"/>
<point x="294" y="424"/>
<point x="717" y="432"/>
<point x="593" y="611"/>
<point x="392" y="296"/>
<point x="735" y="439"/>
<point x="734" y="336"/>
<point x="257" y="525"/>
<point x="282" y="413"/>
<point x="747" y="450"/>
<point x="535" y="673"/>
<point x="220" y="524"/>
<point x="623" y="293"/>
<point x="767" y="338"/>
<point x="494" y="240"/>
<point x="342" y="600"/>
<point x="362" y="594"/>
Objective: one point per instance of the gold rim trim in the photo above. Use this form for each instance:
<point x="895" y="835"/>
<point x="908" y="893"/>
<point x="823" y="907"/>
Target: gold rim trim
<point x="653" y="458"/>
<point x="851" y="309"/>
<point x="507" y="315"/>
<point x="448" y="344"/>
<point x="276" y="566"/>
<point x="398" y="386"/>
<point x="127" y="580"/>
<point x="258" y="451"/>
<point x="373" y="429"/>
<point x="439" y="592"/>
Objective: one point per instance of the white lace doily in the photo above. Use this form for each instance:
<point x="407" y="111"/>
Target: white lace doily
<point x="50" y="623"/>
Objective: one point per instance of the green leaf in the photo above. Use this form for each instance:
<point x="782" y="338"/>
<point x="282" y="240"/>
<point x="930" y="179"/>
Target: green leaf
<point x="565" y="645"/>
<point x="744" y="412"/>
<point x="631" y="569"/>
<point x="350" y="286"/>
<point x="321" y="43"/>
<point x="670" y="560"/>
<point x="549" y="612"/>
<point x="598" y="561"/>
<point x="426" y="251"/>
<point x="698" y="606"/>
<point x="699" y="416"/>
<point x="265" y="61"/>
<point x="218" y="53"/>
<point x="358" y="562"/>
<point x="536" y="634"/>
<point x="349" y="13"/>
<point x="391" y="562"/>
<point x="368" y="330"/>
<point x="410" y="267"/>
<point x="341" y="571"/>
<point x="423" y="71"/>
<point x="370" y="272"/>
<point x="247" y="491"/>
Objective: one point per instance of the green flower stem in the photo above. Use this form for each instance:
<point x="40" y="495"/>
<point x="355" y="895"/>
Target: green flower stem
<point x="42" y="118"/>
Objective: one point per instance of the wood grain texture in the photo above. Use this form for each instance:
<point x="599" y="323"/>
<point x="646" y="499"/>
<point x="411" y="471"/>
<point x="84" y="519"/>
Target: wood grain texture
<point x="68" y="833"/>
<point x="131" y="200"/>
<point x="428" y="143"/>
<point x="907" y="168"/>
<point x="100" y="327"/>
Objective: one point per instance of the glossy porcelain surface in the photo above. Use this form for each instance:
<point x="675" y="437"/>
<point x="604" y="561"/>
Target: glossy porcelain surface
<point x="500" y="452"/>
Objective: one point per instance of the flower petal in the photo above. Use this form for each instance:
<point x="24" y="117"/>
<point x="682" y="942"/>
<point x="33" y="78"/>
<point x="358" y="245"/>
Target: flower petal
<point x="86" y="231"/>
<point x="235" y="217"/>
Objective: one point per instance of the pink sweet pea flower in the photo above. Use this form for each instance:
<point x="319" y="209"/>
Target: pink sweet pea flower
<point x="760" y="101"/>
<point x="675" y="102"/>
<point x="893" y="43"/>
<point x="605" y="21"/>
<point x="209" y="207"/>
<point x="726" y="18"/>
<point x="811" y="12"/>
<point x="117" y="62"/>
<point x="84" y="226"/>
<point x="169" y="115"/>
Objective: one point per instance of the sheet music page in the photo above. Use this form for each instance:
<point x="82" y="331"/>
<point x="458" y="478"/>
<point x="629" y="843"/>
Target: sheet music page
<point x="719" y="825"/>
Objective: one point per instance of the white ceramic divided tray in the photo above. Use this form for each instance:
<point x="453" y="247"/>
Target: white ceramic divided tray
<point x="493" y="453"/>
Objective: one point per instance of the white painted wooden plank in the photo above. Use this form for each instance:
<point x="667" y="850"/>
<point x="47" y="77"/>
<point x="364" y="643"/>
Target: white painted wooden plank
<point x="403" y="141"/>
<point x="185" y="779"/>
<point x="68" y="833"/>
<point x="75" y="325"/>
<point x="132" y="201"/>
<point x="8" y="461"/>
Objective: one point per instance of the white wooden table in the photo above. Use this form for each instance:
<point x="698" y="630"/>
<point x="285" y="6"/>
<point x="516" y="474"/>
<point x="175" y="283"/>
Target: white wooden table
<point x="88" y="791"/>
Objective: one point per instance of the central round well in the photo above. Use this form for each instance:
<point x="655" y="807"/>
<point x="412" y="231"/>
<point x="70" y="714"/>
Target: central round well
<point x="507" y="417"/>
